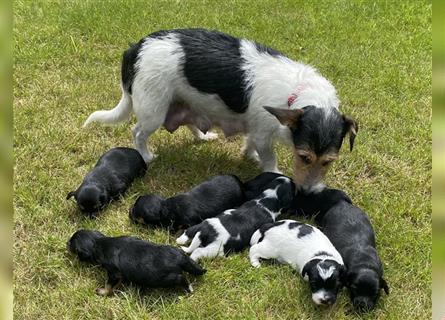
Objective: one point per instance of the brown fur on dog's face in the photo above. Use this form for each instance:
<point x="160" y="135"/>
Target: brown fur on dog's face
<point x="310" y="169"/>
<point x="317" y="135"/>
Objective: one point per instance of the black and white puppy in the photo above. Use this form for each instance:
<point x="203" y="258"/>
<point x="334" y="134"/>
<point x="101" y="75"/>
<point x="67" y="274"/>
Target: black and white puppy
<point x="203" y="78"/>
<point x="206" y="200"/>
<point x="307" y="250"/>
<point x="129" y="259"/>
<point x="109" y="179"/>
<point x="351" y="232"/>
<point x="231" y="231"/>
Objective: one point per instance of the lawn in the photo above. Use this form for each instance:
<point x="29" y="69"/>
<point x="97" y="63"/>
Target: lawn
<point x="67" y="64"/>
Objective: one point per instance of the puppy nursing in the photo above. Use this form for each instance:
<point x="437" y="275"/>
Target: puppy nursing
<point x="129" y="259"/>
<point x="206" y="200"/>
<point x="351" y="232"/>
<point x="231" y="230"/>
<point x="306" y="249"/>
<point x="109" y="179"/>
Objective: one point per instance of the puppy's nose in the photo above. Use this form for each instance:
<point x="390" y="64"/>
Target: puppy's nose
<point x="328" y="299"/>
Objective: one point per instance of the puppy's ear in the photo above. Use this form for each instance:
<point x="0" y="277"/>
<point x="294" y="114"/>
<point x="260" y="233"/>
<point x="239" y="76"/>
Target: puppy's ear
<point x="286" y="117"/>
<point x="304" y="272"/>
<point x="350" y="126"/>
<point x="70" y="194"/>
<point x="384" y="285"/>
<point x="343" y="275"/>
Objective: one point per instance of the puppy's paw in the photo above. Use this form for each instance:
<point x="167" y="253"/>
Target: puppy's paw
<point x="255" y="264"/>
<point x="104" y="292"/>
<point x="185" y="249"/>
<point x="182" y="239"/>
<point x="207" y="136"/>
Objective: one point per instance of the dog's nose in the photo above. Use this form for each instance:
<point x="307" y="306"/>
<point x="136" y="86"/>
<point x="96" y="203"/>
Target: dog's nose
<point x="328" y="299"/>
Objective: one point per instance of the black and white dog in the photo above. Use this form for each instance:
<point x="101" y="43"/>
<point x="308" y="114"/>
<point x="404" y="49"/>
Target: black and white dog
<point x="129" y="259"/>
<point x="203" y="78"/>
<point x="307" y="250"/>
<point x="109" y="179"/>
<point x="231" y="231"/>
<point x="351" y="232"/>
<point x="206" y="200"/>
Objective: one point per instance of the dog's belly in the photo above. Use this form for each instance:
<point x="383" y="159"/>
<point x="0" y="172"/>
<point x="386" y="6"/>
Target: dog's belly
<point x="204" y="117"/>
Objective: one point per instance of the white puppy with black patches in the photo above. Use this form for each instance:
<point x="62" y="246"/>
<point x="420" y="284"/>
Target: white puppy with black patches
<point x="231" y="230"/>
<point x="307" y="250"/>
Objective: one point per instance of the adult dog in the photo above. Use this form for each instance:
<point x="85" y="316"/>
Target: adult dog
<point x="203" y="78"/>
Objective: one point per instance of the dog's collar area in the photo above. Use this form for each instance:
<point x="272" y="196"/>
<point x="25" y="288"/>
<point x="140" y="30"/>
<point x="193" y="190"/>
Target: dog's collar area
<point x="291" y="99"/>
<point x="294" y="96"/>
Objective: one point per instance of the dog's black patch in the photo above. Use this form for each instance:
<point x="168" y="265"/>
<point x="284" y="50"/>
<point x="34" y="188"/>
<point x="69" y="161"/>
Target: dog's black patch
<point x="266" y="227"/>
<point x="322" y="253"/>
<point x="304" y="230"/>
<point x="320" y="132"/>
<point x="270" y="203"/>
<point x="128" y="68"/>
<point x="262" y="48"/>
<point x="212" y="65"/>
<point x="293" y="225"/>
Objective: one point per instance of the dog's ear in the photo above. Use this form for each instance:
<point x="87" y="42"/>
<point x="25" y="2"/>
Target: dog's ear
<point x="70" y="194"/>
<point x="350" y="126"/>
<point x="286" y="117"/>
<point x="384" y="285"/>
<point x="343" y="275"/>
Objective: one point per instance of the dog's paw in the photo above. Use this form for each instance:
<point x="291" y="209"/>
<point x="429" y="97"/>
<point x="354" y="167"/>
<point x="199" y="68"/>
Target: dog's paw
<point x="256" y="264"/>
<point x="103" y="292"/>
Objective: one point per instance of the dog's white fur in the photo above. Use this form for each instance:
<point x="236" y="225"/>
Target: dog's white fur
<point x="159" y="81"/>
<point x="283" y="244"/>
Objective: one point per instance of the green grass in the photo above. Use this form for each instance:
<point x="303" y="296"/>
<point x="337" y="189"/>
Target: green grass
<point x="66" y="65"/>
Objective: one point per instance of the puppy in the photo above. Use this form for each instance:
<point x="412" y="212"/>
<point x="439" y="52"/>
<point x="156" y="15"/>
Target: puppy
<point x="206" y="200"/>
<point x="129" y="259"/>
<point x="255" y="187"/>
<point x="306" y="249"/>
<point x="231" y="231"/>
<point x="109" y="179"/>
<point x="203" y="78"/>
<point x="351" y="232"/>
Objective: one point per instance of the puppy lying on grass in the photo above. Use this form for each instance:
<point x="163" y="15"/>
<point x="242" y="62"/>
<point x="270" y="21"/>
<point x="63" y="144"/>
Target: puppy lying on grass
<point x="206" y="200"/>
<point x="351" y="232"/>
<point x="231" y="230"/>
<point x="110" y="178"/>
<point x="307" y="250"/>
<point x="133" y="260"/>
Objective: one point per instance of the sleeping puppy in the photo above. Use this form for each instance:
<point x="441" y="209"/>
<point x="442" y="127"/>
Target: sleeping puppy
<point x="254" y="187"/>
<point x="231" y="231"/>
<point x="351" y="232"/>
<point x="110" y="178"/>
<point x="129" y="259"/>
<point x="307" y="250"/>
<point x="206" y="200"/>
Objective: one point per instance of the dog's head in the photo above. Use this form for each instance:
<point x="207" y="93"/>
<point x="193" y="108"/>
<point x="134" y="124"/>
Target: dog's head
<point x="325" y="279"/>
<point x="148" y="210"/>
<point x="90" y="199"/>
<point x="317" y="135"/>
<point x="364" y="288"/>
<point x="82" y="244"/>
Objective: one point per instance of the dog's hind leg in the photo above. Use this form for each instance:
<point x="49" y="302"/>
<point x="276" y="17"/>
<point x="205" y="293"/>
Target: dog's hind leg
<point x="249" y="149"/>
<point x="151" y="115"/>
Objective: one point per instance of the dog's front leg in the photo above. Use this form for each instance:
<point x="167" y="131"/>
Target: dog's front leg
<point x="113" y="281"/>
<point x="268" y="160"/>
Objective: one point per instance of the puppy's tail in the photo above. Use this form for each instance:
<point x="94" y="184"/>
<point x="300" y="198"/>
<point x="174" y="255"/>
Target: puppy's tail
<point x="120" y="113"/>
<point x="255" y="237"/>
<point x="192" y="267"/>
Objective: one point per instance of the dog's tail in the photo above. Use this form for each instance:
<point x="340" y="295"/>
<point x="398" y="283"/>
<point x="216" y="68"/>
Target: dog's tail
<point x="255" y="237"/>
<point x="120" y="113"/>
<point x="192" y="267"/>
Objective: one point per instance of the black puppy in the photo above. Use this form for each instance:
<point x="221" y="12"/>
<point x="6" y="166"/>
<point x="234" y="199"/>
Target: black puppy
<point x="351" y="232"/>
<point x="110" y="178"/>
<point x="133" y="260"/>
<point x="232" y="230"/>
<point x="206" y="200"/>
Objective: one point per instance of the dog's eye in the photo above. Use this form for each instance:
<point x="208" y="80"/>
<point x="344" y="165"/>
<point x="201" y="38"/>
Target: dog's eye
<point x="305" y="159"/>
<point x="326" y="163"/>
